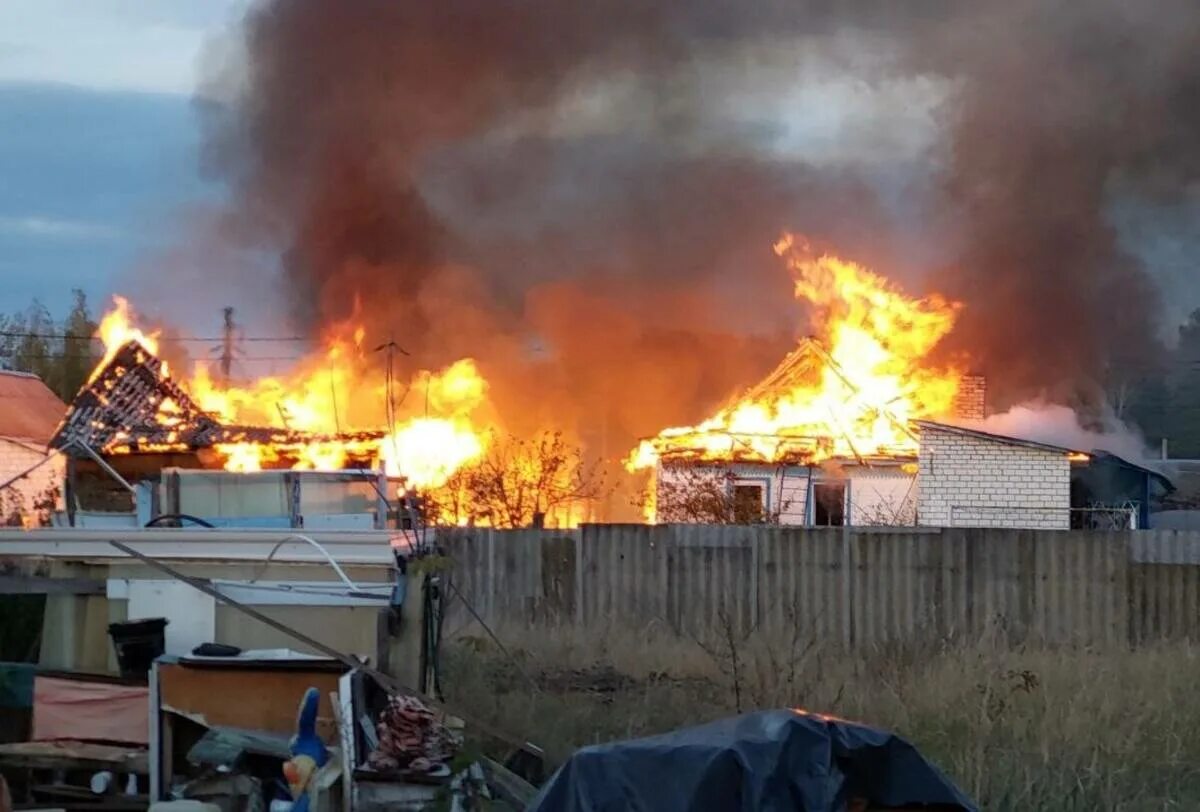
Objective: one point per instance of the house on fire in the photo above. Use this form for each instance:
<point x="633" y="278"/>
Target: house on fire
<point x="954" y="475"/>
<point x="138" y="448"/>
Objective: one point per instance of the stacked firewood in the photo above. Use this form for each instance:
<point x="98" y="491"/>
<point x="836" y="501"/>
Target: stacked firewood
<point x="412" y="738"/>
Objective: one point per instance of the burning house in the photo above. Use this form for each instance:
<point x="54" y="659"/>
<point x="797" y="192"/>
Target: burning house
<point x="861" y="424"/>
<point x="132" y="429"/>
<point x="857" y="426"/>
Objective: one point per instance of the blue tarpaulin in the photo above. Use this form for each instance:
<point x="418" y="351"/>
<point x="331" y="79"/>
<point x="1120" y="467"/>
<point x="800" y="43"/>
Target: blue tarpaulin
<point x="772" y="761"/>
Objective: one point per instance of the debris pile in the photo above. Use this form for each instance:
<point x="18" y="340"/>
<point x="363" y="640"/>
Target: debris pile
<point x="412" y="738"/>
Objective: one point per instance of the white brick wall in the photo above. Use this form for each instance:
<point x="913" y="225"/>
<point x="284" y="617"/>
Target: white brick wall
<point x="970" y="481"/>
<point x="878" y="496"/>
<point x="882" y="497"/>
<point x="15" y="457"/>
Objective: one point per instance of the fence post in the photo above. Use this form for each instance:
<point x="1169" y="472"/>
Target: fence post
<point x="848" y="608"/>
<point x="577" y="534"/>
<point x="491" y="575"/>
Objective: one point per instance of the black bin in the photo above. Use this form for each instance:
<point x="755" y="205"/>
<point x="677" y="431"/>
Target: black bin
<point x="138" y="643"/>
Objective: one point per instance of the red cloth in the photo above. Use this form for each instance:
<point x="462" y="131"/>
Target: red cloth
<point x="90" y="711"/>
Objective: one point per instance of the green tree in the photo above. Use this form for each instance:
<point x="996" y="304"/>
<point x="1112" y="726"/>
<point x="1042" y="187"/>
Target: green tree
<point x="32" y="332"/>
<point x="62" y="355"/>
<point x="79" y="353"/>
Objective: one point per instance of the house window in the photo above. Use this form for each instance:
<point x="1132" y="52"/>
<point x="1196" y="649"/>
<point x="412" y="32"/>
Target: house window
<point x="829" y="504"/>
<point x="747" y="503"/>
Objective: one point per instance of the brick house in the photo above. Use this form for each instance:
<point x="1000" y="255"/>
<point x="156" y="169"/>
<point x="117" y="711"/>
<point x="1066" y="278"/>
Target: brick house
<point x="960" y="477"/>
<point x="970" y="478"/>
<point x="872" y="490"/>
<point x="29" y="415"/>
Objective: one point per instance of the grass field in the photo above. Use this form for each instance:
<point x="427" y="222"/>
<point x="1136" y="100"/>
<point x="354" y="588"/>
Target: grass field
<point x="1031" y="728"/>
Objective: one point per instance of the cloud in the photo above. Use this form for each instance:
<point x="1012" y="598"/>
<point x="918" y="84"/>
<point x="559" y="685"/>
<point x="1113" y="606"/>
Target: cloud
<point x="52" y="228"/>
<point x="110" y="44"/>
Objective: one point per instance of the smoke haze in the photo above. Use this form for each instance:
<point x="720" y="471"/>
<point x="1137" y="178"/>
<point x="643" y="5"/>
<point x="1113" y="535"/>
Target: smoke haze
<point x="1058" y="425"/>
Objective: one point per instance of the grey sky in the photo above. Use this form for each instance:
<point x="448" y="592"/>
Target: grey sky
<point x="118" y="45"/>
<point x="98" y="141"/>
<point x="98" y="138"/>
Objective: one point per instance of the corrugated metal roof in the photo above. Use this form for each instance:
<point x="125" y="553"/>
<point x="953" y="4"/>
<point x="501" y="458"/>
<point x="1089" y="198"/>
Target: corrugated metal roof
<point x="28" y="409"/>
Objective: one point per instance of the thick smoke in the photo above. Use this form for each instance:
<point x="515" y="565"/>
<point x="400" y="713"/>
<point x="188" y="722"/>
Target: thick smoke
<point x="1060" y="112"/>
<point x="553" y="188"/>
<point x="561" y="189"/>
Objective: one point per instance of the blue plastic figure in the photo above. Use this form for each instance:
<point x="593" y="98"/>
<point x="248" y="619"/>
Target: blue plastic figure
<point x="309" y="753"/>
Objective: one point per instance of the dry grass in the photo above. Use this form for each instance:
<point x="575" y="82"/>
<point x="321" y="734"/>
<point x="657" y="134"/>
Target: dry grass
<point x="1030" y="728"/>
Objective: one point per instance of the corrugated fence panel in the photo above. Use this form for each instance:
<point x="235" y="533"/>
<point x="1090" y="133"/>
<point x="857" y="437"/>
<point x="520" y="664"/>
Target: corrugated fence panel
<point x="1076" y="584"/>
<point x="1164" y="583"/>
<point x="857" y="586"/>
<point x="896" y="584"/>
<point x="711" y="578"/>
<point x="519" y="559"/>
<point x="624" y="574"/>
<point x="801" y="583"/>
<point x="468" y="549"/>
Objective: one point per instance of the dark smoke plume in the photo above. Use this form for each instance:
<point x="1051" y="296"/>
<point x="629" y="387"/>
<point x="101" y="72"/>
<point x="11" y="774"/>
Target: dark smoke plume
<point x="482" y="177"/>
<point x="438" y="171"/>
<point x="1062" y="110"/>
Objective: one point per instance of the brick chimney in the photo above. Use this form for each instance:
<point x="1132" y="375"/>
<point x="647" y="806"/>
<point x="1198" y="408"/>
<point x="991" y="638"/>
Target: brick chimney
<point x="971" y="401"/>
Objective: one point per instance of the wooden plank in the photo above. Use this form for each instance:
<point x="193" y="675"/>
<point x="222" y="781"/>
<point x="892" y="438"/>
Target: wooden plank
<point x="267" y="698"/>
<point x="41" y="585"/>
<point x="73" y="755"/>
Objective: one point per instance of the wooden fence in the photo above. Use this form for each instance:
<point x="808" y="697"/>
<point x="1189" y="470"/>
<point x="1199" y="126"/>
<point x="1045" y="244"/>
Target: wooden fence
<point x="854" y="585"/>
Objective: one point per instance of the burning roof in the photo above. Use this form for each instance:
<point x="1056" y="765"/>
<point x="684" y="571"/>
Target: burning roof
<point x="850" y="390"/>
<point x="132" y="405"/>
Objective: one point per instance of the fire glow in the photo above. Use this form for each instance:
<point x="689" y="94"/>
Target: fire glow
<point x="336" y="396"/>
<point x="849" y="391"/>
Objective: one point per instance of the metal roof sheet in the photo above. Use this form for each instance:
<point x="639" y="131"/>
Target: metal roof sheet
<point x="28" y="409"/>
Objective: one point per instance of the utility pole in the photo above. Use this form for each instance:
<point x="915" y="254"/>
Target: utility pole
<point x="227" y="339"/>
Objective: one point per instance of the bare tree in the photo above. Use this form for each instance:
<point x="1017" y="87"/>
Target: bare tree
<point x="689" y="493"/>
<point x="520" y="483"/>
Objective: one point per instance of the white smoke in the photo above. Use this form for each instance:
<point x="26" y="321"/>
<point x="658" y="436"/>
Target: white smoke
<point x="1059" y="425"/>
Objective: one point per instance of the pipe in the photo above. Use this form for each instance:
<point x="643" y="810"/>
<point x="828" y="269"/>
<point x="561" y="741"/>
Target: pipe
<point x="108" y="469"/>
<point x="332" y="562"/>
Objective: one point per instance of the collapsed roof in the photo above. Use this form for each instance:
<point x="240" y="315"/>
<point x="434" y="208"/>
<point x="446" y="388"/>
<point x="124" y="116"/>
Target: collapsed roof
<point x="801" y="367"/>
<point x="132" y="405"/>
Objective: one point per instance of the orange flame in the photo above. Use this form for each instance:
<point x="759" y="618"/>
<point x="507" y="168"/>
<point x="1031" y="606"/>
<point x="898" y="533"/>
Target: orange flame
<point x="333" y="394"/>
<point x="117" y="329"/>
<point x="850" y="391"/>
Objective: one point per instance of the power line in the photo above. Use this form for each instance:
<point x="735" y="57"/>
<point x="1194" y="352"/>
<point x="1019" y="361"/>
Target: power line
<point x="94" y="358"/>
<point x="164" y="339"/>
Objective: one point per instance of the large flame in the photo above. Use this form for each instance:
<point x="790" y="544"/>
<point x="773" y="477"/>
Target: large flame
<point x="850" y="390"/>
<point x="421" y="430"/>
<point x="117" y="329"/>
